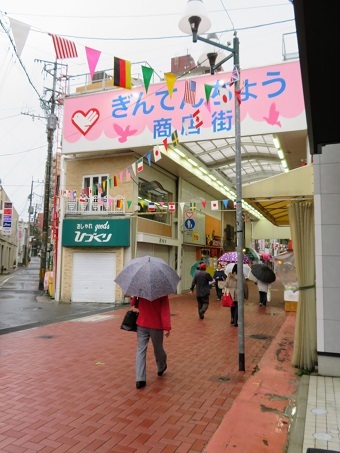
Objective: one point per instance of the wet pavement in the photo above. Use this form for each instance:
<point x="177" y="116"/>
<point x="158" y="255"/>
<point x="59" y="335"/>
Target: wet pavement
<point x="23" y="305"/>
<point x="69" y="386"/>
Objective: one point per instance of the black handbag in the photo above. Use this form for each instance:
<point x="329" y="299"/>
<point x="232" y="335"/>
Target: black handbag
<point x="130" y="320"/>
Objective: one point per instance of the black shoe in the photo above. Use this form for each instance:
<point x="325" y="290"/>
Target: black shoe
<point x="201" y="314"/>
<point x="140" y="384"/>
<point x="160" y="373"/>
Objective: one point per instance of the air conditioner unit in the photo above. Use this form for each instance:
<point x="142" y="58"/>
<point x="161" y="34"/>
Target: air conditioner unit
<point x="99" y="76"/>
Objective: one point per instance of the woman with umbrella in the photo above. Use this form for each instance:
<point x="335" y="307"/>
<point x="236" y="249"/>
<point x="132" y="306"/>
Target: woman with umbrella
<point x="264" y="276"/>
<point x="149" y="280"/>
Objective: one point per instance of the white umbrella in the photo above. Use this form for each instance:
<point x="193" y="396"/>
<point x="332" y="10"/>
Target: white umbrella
<point x="246" y="269"/>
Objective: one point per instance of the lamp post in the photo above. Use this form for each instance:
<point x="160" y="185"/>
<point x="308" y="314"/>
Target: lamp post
<point x="195" y="18"/>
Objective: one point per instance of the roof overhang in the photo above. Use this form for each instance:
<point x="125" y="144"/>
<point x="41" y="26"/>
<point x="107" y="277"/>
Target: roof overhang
<point x="272" y="196"/>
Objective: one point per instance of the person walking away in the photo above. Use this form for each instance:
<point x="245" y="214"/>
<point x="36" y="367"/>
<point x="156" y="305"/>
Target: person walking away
<point x="219" y="276"/>
<point x="263" y="288"/>
<point x="153" y="322"/>
<point x="232" y="286"/>
<point x="202" y="280"/>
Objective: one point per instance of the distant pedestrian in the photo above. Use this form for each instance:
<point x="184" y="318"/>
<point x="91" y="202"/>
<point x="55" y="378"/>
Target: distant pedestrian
<point x="232" y="285"/>
<point x="153" y="322"/>
<point x="219" y="277"/>
<point x="263" y="291"/>
<point x="202" y="280"/>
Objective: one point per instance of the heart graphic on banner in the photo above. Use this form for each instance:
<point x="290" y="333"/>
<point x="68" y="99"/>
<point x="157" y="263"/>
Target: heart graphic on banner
<point x="85" y="121"/>
<point x="189" y="214"/>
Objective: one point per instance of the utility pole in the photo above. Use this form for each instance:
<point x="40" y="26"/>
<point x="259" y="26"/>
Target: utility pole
<point x="51" y="127"/>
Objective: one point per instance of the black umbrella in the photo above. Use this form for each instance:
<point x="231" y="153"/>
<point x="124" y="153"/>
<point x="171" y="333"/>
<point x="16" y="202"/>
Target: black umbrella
<point x="263" y="273"/>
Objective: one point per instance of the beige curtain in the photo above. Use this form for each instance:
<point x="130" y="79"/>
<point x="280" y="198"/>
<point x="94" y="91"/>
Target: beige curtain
<point x="301" y="220"/>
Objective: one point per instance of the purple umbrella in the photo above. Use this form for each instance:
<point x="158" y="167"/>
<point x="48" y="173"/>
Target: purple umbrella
<point x="148" y="277"/>
<point x="231" y="257"/>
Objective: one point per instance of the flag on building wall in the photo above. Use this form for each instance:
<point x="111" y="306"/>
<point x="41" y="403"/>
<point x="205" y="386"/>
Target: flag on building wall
<point x="172" y="207"/>
<point x="140" y="165"/>
<point x="122" y="73"/>
<point x="64" y="48"/>
<point x="214" y="205"/>
<point x="190" y="92"/>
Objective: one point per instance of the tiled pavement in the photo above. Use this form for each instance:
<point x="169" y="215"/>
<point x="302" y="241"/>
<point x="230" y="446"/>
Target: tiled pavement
<point x="70" y="386"/>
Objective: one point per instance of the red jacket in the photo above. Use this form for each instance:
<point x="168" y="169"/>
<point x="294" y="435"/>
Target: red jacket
<point x="153" y="314"/>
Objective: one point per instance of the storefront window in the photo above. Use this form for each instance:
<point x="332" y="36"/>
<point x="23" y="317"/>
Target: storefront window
<point x="153" y="201"/>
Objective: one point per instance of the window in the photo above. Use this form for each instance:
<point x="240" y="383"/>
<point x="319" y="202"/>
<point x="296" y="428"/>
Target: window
<point x="95" y="185"/>
<point x="152" y="193"/>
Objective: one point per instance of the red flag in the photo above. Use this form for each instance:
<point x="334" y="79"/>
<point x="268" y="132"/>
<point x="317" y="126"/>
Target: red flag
<point x="122" y="73"/>
<point x="172" y="207"/>
<point x="64" y="48"/>
<point x="198" y="122"/>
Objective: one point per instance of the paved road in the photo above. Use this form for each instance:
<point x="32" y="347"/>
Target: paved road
<point x="23" y="305"/>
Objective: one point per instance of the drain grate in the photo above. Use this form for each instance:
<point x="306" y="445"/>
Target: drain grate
<point x="260" y="336"/>
<point x="223" y="379"/>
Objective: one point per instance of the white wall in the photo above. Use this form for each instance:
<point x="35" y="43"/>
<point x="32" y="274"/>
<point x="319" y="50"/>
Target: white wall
<point x="327" y="256"/>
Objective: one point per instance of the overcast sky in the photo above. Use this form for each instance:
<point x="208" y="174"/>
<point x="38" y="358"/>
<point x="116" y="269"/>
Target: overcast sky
<point x="138" y="31"/>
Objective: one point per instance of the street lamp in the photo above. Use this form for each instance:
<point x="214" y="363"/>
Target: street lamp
<point x="195" y="18"/>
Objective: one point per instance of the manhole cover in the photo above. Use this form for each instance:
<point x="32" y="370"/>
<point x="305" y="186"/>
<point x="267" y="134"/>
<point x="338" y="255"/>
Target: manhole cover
<point x="260" y="337"/>
<point x="46" y="336"/>
<point x="223" y="378"/>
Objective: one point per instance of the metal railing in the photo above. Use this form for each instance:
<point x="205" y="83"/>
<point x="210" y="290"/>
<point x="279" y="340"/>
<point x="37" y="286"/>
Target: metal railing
<point x="95" y="205"/>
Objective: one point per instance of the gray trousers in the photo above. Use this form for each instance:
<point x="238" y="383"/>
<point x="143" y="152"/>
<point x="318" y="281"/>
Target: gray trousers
<point x="143" y="336"/>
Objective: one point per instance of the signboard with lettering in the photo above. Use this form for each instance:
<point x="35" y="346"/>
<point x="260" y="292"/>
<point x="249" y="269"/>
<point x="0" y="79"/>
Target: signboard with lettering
<point x="96" y="233"/>
<point x="7" y="218"/>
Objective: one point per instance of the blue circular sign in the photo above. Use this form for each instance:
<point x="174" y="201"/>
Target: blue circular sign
<point x="189" y="224"/>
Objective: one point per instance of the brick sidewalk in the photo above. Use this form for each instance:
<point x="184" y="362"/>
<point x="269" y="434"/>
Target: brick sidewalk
<point x="70" y="386"/>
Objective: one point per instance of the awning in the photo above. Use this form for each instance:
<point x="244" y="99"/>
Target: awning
<point x="272" y="196"/>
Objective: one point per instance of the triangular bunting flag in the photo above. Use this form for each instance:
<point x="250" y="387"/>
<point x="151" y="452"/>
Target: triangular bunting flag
<point x="134" y="168"/>
<point x="225" y="203"/>
<point x="170" y="80"/>
<point x="92" y="56"/>
<point x="128" y="174"/>
<point x="174" y="138"/>
<point x="147" y="74"/>
<point x="148" y="156"/>
<point x="165" y="143"/>
<point x="182" y="205"/>
<point x="129" y="202"/>
<point x="121" y="176"/>
<point x="207" y="89"/>
<point x="20" y="31"/>
<point x="235" y="76"/>
<point x="204" y="203"/>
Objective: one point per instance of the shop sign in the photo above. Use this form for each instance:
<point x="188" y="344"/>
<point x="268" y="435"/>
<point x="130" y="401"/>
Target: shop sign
<point x="96" y="233"/>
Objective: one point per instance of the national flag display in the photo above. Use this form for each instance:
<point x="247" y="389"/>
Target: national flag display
<point x="192" y="206"/>
<point x="197" y="119"/>
<point x="174" y="138"/>
<point x="235" y="76"/>
<point x="64" y="48"/>
<point x="214" y="205"/>
<point x="223" y="94"/>
<point x="122" y="73"/>
<point x="151" y="206"/>
<point x="172" y="207"/>
<point x="190" y="92"/>
<point x="157" y="153"/>
<point x="140" y="165"/>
